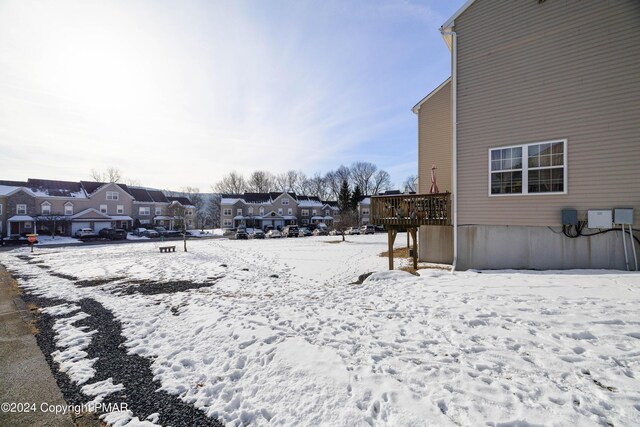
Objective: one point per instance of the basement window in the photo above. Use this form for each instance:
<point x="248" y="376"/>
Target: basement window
<point x="536" y="168"/>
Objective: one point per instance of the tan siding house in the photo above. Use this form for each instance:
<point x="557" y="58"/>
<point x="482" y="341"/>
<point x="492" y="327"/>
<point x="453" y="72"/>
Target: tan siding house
<point x="548" y="118"/>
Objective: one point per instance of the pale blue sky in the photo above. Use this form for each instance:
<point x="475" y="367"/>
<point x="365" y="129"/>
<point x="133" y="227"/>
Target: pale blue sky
<point x="179" y="93"/>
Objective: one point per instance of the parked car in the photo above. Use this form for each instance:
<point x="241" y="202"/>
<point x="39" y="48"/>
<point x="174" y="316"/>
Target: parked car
<point x="139" y="231"/>
<point x="161" y="231"/>
<point x="151" y="233"/>
<point x="304" y="232"/>
<point x="117" y="234"/>
<point x="241" y="234"/>
<point x="335" y="232"/>
<point x="379" y="227"/>
<point x="352" y="230"/>
<point x="368" y="229"/>
<point x="321" y="231"/>
<point x="85" y="232"/>
<point x="273" y="233"/>
<point x="290" y="231"/>
<point x="104" y="233"/>
<point x="174" y="233"/>
<point x="257" y="234"/>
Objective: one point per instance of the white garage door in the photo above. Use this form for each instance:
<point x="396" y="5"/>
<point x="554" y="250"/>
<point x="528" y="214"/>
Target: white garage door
<point x="75" y="226"/>
<point x="100" y="225"/>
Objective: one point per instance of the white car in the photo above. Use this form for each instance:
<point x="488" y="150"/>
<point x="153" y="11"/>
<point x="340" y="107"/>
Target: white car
<point x="272" y="234"/>
<point x="352" y="230"/>
<point x="84" y="232"/>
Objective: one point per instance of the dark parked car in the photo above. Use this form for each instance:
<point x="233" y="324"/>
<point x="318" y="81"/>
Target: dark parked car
<point x="241" y="234"/>
<point x="161" y="231"/>
<point x="116" y="234"/>
<point x="104" y="233"/>
<point x="257" y="234"/>
<point x="305" y="232"/>
<point x="290" y="231"/>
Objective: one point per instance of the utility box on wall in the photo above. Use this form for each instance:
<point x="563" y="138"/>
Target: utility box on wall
<point x="600" y="219"/>
<point x="569" y="217"/>
<point x="623" y="216"/>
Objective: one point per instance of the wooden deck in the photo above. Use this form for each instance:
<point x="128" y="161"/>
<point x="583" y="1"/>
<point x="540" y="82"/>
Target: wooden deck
<point x="410" y="211"/>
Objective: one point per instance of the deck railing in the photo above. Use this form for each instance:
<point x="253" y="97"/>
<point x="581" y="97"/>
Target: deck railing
<point x="411" y="210"/>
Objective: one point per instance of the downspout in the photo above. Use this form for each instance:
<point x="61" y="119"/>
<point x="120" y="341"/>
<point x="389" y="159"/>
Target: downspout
<point x="454" y="134"/>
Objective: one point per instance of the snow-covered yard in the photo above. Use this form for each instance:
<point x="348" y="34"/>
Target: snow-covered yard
<point x="274" y="332"/>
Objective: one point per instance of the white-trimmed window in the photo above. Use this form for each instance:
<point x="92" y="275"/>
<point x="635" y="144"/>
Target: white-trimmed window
<point x="103" y="209"/>
<point x="250" y="211"/>
<point x="536" y="168"/>
<point x="326" y="213"/>
<point x="239" y="212"/>
<point x="68" y="208"/>
<point x="45" y="208"/>
<point x="279" y="211"/>
<point x="112" y="195"/>
<point x="285" y="202"/>
<point x="261" y="210"/>
<point x="144" y="211"/>
<point x="365" y="212"/>
<point x="314" y="212"/>
<point x="227" y="223"/>
<point x="305" y="222"/>
<point x="304" y="212"/>
<point x="158" y="211"/>
<point x="289" y="211"/>
<point x="120" y="209"/>
<point x="190" y="222"/>
<point x="21" y="209"/>
<point x="226" y="212"/>
<point x="27" y="224"/>
<point x="145" y="221"/>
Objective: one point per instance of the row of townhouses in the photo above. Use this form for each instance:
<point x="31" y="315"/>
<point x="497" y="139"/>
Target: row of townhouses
<point x="40" y="205"/>
<point x="277" y="210"/>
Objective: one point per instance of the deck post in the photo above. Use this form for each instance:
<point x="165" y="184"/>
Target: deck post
<point x="392" y="233"/>
<point x="414" y="236"/>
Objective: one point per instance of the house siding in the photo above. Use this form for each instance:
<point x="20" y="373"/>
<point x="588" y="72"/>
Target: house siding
<point x="435" y="140"/>
<point x="530" y="72"/>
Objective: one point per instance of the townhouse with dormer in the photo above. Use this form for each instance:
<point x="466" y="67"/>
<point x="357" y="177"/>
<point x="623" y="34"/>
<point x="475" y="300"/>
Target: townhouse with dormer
<point x="45" y="206"/>
<point x="277" y="210"/>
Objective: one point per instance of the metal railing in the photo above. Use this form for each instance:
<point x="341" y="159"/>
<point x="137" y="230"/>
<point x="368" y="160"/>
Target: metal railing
<point x="411" y="210"/>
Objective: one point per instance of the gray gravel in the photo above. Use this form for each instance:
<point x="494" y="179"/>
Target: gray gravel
<point x="141" y="392"/>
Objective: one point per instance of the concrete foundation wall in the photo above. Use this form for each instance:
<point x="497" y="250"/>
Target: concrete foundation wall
<point x="435" y="244"/>
<point x="541" y="248"/>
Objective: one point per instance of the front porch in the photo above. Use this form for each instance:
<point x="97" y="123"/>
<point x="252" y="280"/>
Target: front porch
<point x="410" y="211"/>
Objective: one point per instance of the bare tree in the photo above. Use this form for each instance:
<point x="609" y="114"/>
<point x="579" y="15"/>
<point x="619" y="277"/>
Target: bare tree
<point x="381" y="182"/>
<point x="112" y="174"/>
<point x="410" y="183"/>
<point x="362" y="175"/>
<point x="261" y="181"/>
<point x="233" y="183"/>
<point x="213" y="210"/>
<point x="317" y="186"/>
<point x="179" y="212"/>
<point x="193" y="193"/>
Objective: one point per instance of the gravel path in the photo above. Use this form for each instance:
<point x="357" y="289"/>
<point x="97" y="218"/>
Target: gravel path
<point x="141" y="392"/>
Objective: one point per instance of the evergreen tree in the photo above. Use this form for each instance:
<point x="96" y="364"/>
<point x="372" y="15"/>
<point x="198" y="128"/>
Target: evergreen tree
<point x="356" y="197"/>
<point x="344" y="197"/>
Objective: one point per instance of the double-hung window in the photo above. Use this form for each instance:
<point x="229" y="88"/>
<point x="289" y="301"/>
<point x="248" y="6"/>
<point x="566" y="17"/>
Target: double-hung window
<point x="45" y="208"/>
<point x="226" y="212"/>
<point x="112" y="195"/>
<point x="537" y="168"/>
<point x="21" y="209"/>
<point x="144" y="211"/>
